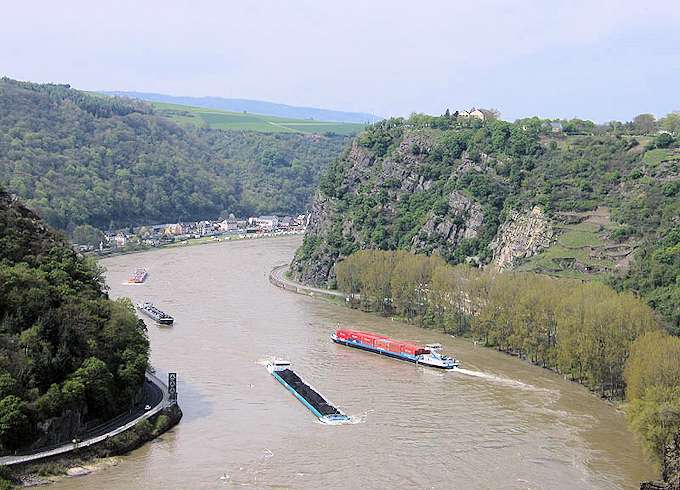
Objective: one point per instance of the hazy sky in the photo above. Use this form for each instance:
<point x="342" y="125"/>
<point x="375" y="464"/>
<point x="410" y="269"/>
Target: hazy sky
<point x="593" y="59"/>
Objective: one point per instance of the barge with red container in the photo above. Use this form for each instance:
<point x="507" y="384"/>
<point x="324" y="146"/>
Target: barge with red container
<point x="406" y="351"/>
<point x="138" y="276"/>
<point x="309" y="397"/>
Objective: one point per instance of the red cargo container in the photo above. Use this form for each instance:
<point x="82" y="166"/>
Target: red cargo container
<point x="382" y="343"/>
<point x="367" y="340"/>
<point x="412" y="349"/>
<point x="394" y="347"/>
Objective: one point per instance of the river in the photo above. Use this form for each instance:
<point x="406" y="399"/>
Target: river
<point x="501" y="423"/>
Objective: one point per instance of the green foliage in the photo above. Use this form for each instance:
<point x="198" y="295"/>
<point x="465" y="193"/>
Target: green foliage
<point x="653" y="390"/>
<point x="380" y="137"/>
<point x="655" y="272"/>
<point x="87" y="235"/>
<point x="15" y="428"/>
<point x="109" y="162"/>
<point x="66" y="346"/>
<point x="584" y="330"/>
<point x="664" y="140"/>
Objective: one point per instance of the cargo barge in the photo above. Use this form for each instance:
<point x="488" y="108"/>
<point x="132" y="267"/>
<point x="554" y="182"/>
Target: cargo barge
<point x="406" y="351"/>
<point x="138" y="276"/>
<point x="309" y="397"/>
<point x="155" y="314"/>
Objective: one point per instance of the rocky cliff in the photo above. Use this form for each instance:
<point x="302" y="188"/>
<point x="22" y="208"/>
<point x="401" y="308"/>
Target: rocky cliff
<point x="400" y="196"/>
<point x="522" y="235"/>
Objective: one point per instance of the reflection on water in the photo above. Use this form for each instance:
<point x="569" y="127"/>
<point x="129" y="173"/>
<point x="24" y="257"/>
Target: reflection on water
<point x="496" y="422"/>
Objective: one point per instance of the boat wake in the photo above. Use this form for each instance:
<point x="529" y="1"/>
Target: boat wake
<point x="351" y="420"/>
<point x="497" y="379"/>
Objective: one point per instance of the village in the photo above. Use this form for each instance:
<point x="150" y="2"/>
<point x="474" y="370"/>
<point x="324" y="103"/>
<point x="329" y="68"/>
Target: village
<point x="230" y="228"/>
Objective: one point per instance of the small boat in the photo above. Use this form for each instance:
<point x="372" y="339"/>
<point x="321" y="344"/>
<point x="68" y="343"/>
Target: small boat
<point x="155" y="314"/>
<point x="430" y="355"/>
<point x="138" y="276"/>
<point x="309" y="397"/>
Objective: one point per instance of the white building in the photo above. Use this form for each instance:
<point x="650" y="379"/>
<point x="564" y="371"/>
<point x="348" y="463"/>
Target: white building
<point x="228" y="225"/>
<point x="267" y="222"/>
<point x="120" y="240"/>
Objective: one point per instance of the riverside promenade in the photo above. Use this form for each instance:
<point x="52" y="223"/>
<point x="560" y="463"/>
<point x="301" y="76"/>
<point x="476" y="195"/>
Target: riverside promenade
<point x="156" y="396"/>
<point x="278" y="278"/>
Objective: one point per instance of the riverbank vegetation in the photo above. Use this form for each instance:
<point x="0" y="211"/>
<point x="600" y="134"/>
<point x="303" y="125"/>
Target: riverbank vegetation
<point x="78" y="158"/>
<point x="610" y="341"/>
<point x="69" y="356"/>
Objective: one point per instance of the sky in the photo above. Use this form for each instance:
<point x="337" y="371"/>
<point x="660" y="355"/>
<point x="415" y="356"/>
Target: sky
<point x="595" y="59"/>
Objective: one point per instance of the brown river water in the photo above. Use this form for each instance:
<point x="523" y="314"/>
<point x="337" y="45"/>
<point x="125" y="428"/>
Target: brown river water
<point x="500" y="423"/>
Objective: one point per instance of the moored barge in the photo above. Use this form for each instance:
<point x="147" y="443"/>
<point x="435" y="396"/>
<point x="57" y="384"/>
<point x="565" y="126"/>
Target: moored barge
<point x="138" y="276"/>
<point x="309" y="397"/>
<point x="155" y="314"/>
<point x="429" y="355"/>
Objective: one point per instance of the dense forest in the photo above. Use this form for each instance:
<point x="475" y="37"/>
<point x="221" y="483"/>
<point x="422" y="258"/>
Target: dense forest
<point x="444" y="185"/>
<point x="612" y="342"/>
<point x="78" y="158"/>
<point x="69" y="356"/>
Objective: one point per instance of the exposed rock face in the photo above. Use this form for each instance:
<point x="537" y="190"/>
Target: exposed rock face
<point x="376" y="189"/>
<point x="59" y="429"/>
<point x="523" y="235"/>
<point x="463" y="220"/>
<point x="318" y="271"/>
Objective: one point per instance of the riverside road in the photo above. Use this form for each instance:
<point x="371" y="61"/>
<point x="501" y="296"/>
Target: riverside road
<point x="155" y="396"/>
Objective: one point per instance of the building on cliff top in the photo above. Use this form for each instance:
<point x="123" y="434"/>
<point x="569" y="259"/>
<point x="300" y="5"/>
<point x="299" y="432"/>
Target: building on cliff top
<point x="472" y="113"/>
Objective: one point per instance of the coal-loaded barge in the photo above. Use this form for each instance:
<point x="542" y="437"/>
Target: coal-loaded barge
<point x="155" y="314"/>
<point x="309" y="397"/>
<point x="406" y="351"/>
<point x="138" y="276"/>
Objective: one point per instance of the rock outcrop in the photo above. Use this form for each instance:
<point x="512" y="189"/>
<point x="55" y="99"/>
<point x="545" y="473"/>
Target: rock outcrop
<point x="463" y="220"/>
<point x="396" y="200"/>
<point x="670" y="473"/>
<point x="523" y="235"/>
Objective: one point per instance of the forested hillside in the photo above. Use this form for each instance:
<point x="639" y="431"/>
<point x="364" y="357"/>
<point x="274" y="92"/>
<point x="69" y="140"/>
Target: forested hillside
<point x="572" y="200"/>
<point x="69" y="356"/>
<point x="80" y="158"/>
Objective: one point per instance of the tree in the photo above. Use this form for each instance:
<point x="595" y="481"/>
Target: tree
<point x="644" y="123"/>
<point x="671" y="123"/>
<point x="15" y="426"/>
<point x="87" y="235"/>
<point x="664" y="140"/>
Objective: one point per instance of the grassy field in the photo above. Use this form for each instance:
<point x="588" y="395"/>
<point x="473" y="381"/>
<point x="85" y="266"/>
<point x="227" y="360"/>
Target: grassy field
<point x="253" y="122"/>
<point x="654" y="158"/>
<point x="570" y="255"/>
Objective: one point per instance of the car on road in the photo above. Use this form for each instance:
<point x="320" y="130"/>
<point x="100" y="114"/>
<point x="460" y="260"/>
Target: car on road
<point x="147" y="407"/>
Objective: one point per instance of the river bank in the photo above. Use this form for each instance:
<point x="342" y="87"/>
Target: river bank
<point x="193" y="242"/>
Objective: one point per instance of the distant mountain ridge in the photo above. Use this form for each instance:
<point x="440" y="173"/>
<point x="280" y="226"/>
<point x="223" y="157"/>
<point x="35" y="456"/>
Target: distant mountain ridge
<point x="255" y="107"/>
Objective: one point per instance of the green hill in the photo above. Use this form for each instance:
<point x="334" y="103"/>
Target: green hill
<point x="584" y="202"/>
<point x="218" y="119"/>
<point x="241" y="106"/>
<point x="80" y="158"/>
<point x="69" y="356"/>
